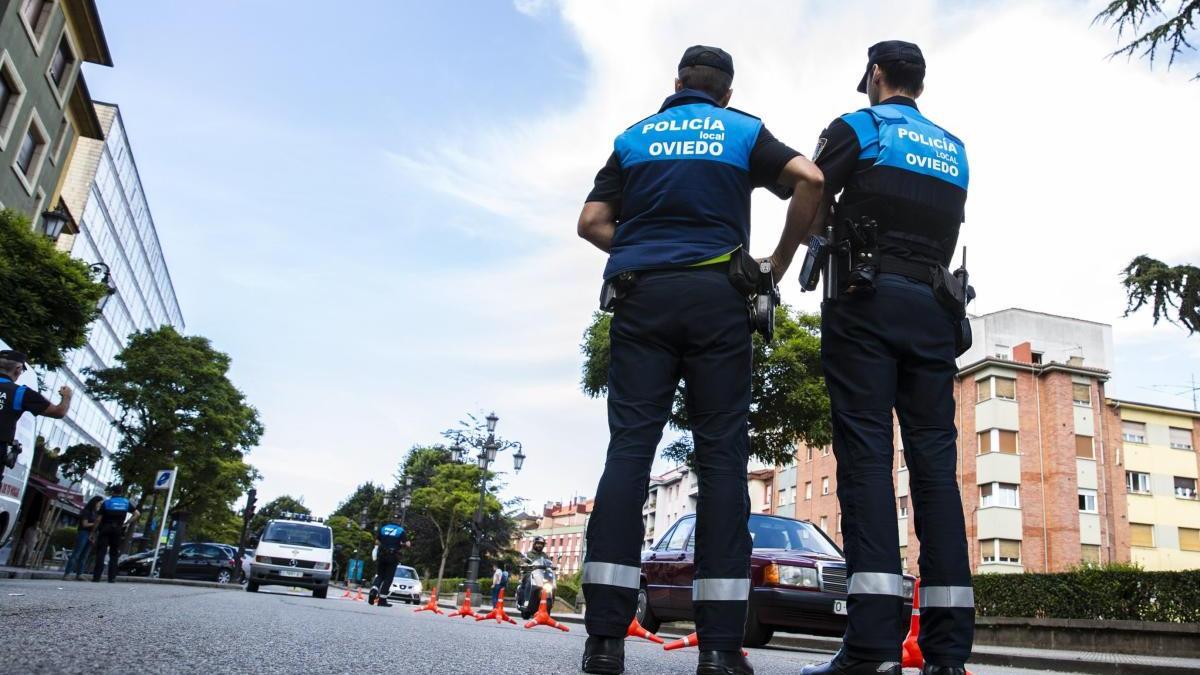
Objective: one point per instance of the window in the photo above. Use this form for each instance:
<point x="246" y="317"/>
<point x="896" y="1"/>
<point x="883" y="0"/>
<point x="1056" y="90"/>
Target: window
<point x="1185" y="488"/>
<point x="1189" y="539"/>
<point x="903" y="501"/>
<point x="61" y="64"/>
<point x="677" y="539"/>
<point x="903" y="462"/>
<point x="1035" y="357"/>
<point x="10" y="98"/>
<point x="1000" y="550"/>
<point x="1083" y="447"/>
<point x="1136" y="481"/>
<point x="999" y="494"/>
<point x="995" y="387"/>
<point x="824" y="523"/>
<point x="825" y="485"/>
<point x="1133" y="432"/>
<point x="998" y="440"/>
<point x="825" y="451"/>
<point x="1089" y="554"/>
<point x="782" y="496"/>
<point x="1181" y="439"/>
<point x="1081" y="394"/>
<point x="1087" y="501"/>
<point x="1141" y="535"/>
<point x="792" y="494"/>
<point x="64" y="130"/>
<point x="808" y="490"/>
<point x="904" y="558"/>
<point x="31" y="152"/>
<point x="35" y="15"/>
<point x="810" y="454"/>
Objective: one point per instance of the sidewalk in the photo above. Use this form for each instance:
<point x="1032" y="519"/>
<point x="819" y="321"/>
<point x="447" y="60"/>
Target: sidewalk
<point x="50" y="575"/>
<point x="1097" y="663"/>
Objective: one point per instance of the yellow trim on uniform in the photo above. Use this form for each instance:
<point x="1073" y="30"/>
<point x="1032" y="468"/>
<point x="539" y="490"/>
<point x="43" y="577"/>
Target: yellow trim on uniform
<point x="724" y="257"/>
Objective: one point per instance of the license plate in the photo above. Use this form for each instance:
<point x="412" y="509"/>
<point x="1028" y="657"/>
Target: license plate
<point x="839" y="607"/>
<point x="290" y="573"/>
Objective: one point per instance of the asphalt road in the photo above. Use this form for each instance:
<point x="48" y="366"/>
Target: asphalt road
<point x="81" y="627"/>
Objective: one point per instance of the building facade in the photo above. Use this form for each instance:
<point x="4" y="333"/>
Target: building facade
<point x="564" y="527"/>
<point x="45" y="106"/>
<point x="116" y="228"/>
<point x="1156" y="448"/>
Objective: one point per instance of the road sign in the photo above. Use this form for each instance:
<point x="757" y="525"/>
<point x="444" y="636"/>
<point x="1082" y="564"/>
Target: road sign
<point x="355" y="571"/>
<point x="163" y="479"/>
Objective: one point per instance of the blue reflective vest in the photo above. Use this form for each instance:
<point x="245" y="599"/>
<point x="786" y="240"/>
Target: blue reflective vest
<point x="391" y="535"/>
<point x="117" y="505"/>
<point x="686" y="191"/>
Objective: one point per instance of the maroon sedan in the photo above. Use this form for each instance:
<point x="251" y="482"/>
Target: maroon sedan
<point x="797" y="577"/>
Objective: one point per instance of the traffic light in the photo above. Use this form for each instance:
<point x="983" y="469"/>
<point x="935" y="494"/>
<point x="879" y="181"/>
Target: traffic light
<point x="251" y="499"/>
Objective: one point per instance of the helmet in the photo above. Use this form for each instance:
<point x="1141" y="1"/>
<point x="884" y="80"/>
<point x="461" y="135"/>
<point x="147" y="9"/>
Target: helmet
<point x="539" y="543"/>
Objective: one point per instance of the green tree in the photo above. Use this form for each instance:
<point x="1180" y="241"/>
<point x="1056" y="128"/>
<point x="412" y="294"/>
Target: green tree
<point x="77" y="460"/>
<point x="354" y="542"/>
<point x="448" y="505"/>
<point x="178" y="408"/>
<point x="49" y="298"/>
<point x="788" y="397"/>
<point x="1173" y="292"/>
<point x="221" y="526"/>
<point x="1154" y="29"/>
<point x="275" y="509"/>
<point x="367" y="496"/>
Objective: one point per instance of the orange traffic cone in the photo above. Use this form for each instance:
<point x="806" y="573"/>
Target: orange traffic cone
<point x="466" y="609"/>
<point x="912" y="657"/>
<point x="497" y="612"/>
<point x="347" y="594"/>
<point x="359" y="596"/>
<point x="432" y="605"/>
<point x="691" y="640"/>
<point x="636" y="630"/>
<point x="542" y="617"/>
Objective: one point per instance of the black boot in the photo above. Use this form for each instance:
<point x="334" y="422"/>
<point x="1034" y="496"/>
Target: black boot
<point x="382" y="602"/>
<point x="604" y="655"/>
<point x="845" y="665"/>
<point x="713" y="662"/>
<point x="372" y="596"/>
<point x="930" y="669"/>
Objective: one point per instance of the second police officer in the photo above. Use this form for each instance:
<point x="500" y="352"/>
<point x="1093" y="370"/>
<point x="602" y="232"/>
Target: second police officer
<point x="888" y="341"/>
<point x="671" y="208"/>
<point x="388" y="539"/>
<point x="110" y="532"/>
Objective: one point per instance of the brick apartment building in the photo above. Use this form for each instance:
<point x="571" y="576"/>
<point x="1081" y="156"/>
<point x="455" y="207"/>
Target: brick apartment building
<point x="1044" y="461"/>
<point x="563" y="526"/>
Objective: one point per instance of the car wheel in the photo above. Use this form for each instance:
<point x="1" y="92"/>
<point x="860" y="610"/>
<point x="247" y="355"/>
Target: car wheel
<point x="757" y="635"/>
<point x="224" y="577"/>
<point x="320" y="593"/>
<point x="251" y="587"/>
<point x="645" y="616"/>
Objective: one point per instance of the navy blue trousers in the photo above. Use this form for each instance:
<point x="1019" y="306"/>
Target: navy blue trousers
<point x="895" y="350"/>
<point x="688" y="324"/>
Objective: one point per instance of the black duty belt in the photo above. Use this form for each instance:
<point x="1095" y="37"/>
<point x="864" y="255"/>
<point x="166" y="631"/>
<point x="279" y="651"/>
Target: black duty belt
<point x="907" y="268"/>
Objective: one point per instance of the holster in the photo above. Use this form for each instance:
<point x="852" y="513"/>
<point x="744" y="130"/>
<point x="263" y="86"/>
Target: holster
<point x="615" y="289"/>
<point x="743" y="272"/>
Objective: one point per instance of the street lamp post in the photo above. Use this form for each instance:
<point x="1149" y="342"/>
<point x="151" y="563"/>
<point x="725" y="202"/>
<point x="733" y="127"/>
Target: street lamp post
<point x="487" y="455"/>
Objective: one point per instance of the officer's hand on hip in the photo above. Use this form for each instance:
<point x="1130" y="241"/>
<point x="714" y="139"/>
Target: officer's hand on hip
<point x="778" y="267"/>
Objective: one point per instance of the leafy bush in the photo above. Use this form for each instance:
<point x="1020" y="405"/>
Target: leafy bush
<point x="1119" y="592"/>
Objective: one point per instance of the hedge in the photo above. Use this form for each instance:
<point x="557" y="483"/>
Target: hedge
<point x="1092" y="593"/>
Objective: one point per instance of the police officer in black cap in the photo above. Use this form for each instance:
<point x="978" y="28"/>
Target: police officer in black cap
<point x="888" y="341"/>
<point x="16" y="400"/>
<point x="672" y="209"/>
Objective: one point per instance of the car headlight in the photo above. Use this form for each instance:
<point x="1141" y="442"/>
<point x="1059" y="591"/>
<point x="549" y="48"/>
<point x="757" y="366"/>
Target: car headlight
<point x="321" y="566"/>
<point x="804" y="577"/>
<point x="417" y="587"/>
<point x="908" y="589"/>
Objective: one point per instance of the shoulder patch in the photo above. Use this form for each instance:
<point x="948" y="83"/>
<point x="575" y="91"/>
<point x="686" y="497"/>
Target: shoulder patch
<point x="821" y="143"/>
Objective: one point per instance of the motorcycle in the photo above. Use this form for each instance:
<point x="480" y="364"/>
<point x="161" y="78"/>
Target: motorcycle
<point x="537" y="577"/>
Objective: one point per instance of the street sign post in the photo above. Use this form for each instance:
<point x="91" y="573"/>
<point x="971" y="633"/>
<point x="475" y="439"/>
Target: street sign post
<point x="164" y="479"/>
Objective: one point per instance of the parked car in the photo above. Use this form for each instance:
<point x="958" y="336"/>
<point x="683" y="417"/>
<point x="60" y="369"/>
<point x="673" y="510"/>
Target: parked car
<point x="406" y="585"/>
<point x="797" y="578"/>
<point x="201" y="561"/>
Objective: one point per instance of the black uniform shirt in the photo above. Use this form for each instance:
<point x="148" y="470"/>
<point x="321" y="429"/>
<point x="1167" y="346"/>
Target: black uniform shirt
<point x="16" y="400"/>
<point x="838" y="156"/>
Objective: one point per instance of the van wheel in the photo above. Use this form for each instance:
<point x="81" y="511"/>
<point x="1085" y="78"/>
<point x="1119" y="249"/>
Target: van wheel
<point x="644" y="614"/>
<point x="757" y="635"/>
<point x="252" y="587"/>
<point x="320" y="593"/>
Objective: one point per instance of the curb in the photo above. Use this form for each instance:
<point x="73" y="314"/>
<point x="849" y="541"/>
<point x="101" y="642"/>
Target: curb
<point x="55" y="576"/>
<point x="1121" y="664"/>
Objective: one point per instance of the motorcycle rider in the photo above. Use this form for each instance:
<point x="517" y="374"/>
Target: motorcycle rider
<point x="537" y="553"/>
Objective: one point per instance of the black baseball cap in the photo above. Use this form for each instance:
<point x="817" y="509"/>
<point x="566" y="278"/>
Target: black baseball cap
<point x="13" y="355"/>
<point x="887" y="51"/>
<point x="700" y="55"/>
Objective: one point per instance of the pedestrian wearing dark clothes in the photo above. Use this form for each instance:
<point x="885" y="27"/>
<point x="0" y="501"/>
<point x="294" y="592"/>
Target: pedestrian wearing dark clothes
<point x="83" y="538"/>
<point x="114" y="511"/>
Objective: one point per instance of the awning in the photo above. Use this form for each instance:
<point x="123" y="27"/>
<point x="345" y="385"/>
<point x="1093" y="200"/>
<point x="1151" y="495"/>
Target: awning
<point x="64" y="498"/>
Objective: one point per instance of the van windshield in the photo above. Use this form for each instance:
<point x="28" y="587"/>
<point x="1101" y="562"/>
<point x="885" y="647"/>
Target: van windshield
<point x="297" y="534"/>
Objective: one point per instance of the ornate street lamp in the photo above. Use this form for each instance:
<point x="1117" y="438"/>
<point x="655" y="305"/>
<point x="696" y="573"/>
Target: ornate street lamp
<point x="489" y="450"/>
<point x="105" y="278"/>
<point x="458" y="453"/>
<point x="518" y="459"/>
<point x="491" y="422"/>
<point x="54" y="222"/>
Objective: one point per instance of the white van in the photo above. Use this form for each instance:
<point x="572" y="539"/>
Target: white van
<point x="296" y="550"/>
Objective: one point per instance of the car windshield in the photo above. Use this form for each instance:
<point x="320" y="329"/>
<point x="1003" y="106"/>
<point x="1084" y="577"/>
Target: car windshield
<point x="790" y="535"/>
<point x="297" y="534"/>
<point x="404" y="573"/>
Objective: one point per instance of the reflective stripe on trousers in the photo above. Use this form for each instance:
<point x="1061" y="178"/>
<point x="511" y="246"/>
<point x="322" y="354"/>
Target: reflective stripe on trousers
<point x="612" y="574"/>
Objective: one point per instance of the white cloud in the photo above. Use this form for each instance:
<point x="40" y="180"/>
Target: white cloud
<point x="1078" y="164"/>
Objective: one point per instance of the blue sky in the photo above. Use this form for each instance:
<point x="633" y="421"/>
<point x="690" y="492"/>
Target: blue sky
<point x="372" y="208"/>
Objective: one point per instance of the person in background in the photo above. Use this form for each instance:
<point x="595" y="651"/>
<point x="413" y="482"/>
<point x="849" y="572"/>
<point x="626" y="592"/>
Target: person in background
<point x="83" y="538"/>
<point x="499" y="581"/>
<point x="114" y="512"/>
